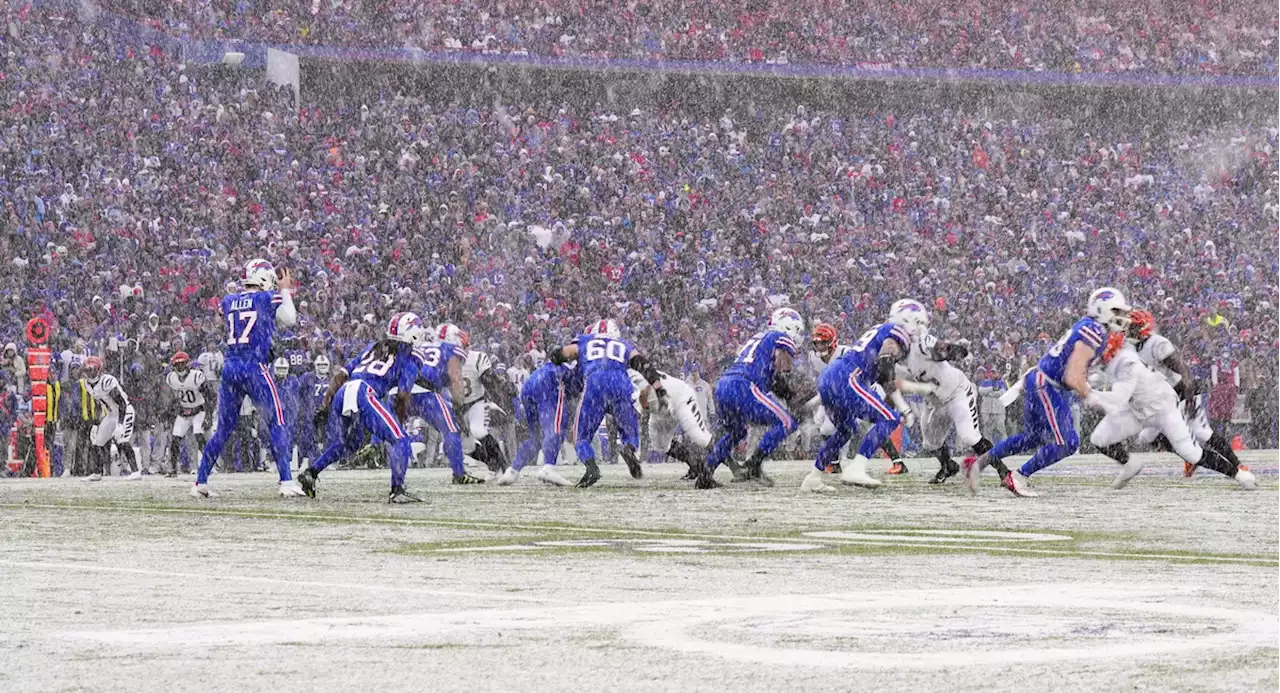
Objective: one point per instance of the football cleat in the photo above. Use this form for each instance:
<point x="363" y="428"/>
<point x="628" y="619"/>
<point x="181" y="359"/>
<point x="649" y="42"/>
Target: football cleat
<point x="94" y="477"/>
<point x="946" y="471"/>
<point x="973" y="471"/>
<point x="589" y="478"/>
<point x="399" y="496"/>
<point x="897" y="468"/>
<point x="548" y="474"/>
<point x="202" y="491"/>
<point x="467" y="480"/>
<point x="855" y="474"/>
<point x="1188" y="470"/>
<point x="833" y="468"/>
<point x="135" y="476"/>
<point x="290" y="489"/>
<point x="633" y="466"/>
<point x="813" y="482"/>
<point x="705" y="481"/>
<point x="1017" y="484"/>
<point x="1128" y="470"/>
<point x="1246" y="479"/>
<point x="509" y="477"/>
<point x="307" y="481"/>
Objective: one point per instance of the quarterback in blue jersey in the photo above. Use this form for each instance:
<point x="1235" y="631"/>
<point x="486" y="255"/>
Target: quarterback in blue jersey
<point x="745" y="395"/>
<point x="1047" y="421"/>
<point x="604" y="358"/>
<point x="353" y="404"/>
<point x="252" y="317"/>
<point x="544" y="397"/>
<point x="439" y="391"/>
<point x="848" y="393"/>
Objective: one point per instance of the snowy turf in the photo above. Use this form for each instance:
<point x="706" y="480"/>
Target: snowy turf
<point x="1170" y="584"/>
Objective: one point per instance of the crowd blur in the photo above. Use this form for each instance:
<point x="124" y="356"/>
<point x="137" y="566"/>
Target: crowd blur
<point x="134" y="189"/>
<point x="1194" y="37"/>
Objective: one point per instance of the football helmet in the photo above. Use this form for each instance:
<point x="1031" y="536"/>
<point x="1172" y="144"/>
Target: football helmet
<point x="605" y="328"/>
<point x="92" y="369"/>
<point x="181" y="362"/>
<point x="280" y="368"/>
<point x="260" y="274"/>
<point x="1109" y="307"/>
<point x="450" y="333"/>
<point x="911" y="315"/>
<point x="789" y="321"/>
<point x="824" y="339"/>
<point x="406" y="327"/>
<point x="1142" y="324"/>
<point x="321" y="365"/>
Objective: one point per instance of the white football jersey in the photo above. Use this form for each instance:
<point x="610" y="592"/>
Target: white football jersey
<point x="187" y="389"/>
<point x="475" y="365"/>
<point x="211" y="363"/>
<point x="1154" y="351"/>
<point x="517" y="376"/>
<point x="1147" y="392"/>
<point x="920" y="367"/>
<point x="109" y="394"/>
<point x="818" y="365"/>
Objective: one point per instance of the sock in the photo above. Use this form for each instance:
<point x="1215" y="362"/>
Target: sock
<point x="944" y="456"/>
<point x="1221" y="446"/>
<point x="890" y="449"/>
<point x="982" y="446"/>
<point x="997" y="464"/>
<point x="1117" y="452"/>
<point x="1213" y="459"/>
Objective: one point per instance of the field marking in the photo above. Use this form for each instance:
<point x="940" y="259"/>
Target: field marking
<point x="937" y="536"/>
<point x="90" y="568"/>
<point x="667" y="625"/>
<point x="478" y="525"/>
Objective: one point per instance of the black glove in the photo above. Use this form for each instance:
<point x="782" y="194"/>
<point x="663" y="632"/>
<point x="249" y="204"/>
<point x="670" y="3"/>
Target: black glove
<point x="321" y="419"/>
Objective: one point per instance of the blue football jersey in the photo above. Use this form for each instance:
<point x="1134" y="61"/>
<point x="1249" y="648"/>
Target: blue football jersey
<point x="755" y="359"/>
<point x="299" y="363"/>
<point x="865" y="353"/>
<point x="435" y="363"/>
<point x="598" y="354"/>
<point x="1088" y="331"/>
<point x="251" y="324"/>
<point x="400" y="370"/>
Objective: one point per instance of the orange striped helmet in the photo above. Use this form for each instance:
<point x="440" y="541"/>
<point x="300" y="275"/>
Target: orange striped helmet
<point x="1142" y="324"/>
<point x="824" y="338"/>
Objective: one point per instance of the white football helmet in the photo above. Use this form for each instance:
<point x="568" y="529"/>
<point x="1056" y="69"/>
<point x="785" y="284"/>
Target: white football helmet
<point x="789" y="321"/>
<point x="1109" y="307"/>
<point x="450" y="333"/>
<point x="911" y="315"/>
<point x="260" y="274"/>
<point x="322" y="365"/>
<point x="281" y="368"/>
<point x="605" y="328"/>
<point x="406" y="327"/>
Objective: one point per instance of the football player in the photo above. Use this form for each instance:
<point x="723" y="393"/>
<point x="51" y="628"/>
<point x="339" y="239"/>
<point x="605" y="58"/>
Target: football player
<point x="544" y="399"/>
<point x="439" y="389"/>
<point x="749" y="392"/>
<point x="192" y="394"/>
<point x="311" y="388"/>
<point x="482" y="391"/>
<point x="353" y="404"/>
<point x="604" y="358"/>
<point x="1061" y="374"/>
<point x="252" y="317"/>
<point x="116" y="425"/>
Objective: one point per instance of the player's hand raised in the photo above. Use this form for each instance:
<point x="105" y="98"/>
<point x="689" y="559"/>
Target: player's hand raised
<point x="286" y="280"/>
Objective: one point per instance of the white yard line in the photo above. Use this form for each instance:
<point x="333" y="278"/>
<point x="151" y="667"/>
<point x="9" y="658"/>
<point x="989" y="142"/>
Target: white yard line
<point x="468" y="524"/>
<point x="317" y="584"/>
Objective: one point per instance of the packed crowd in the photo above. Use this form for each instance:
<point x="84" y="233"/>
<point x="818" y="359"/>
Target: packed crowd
<point x="133" y="190"/>
<point x="1203" y="37"/>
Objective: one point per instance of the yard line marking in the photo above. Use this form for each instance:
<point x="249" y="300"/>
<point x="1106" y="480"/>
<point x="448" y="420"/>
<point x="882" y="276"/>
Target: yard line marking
<point x="475" y="524"/>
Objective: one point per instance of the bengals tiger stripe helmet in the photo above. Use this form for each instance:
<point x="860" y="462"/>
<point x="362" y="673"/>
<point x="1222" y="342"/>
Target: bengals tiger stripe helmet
<point x="1142" y="324"/>
<point x="824" y="338"/>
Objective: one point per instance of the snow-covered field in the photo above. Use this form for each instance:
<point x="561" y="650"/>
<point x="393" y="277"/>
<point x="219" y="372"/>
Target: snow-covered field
<point x="1168" y="585"/>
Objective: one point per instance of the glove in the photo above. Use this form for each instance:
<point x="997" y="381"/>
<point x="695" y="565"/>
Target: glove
<point x="321" y="419"/>
<point x="661" y="393"/>
<point x="1093" y="400"/>
<point x="908" y="419"/>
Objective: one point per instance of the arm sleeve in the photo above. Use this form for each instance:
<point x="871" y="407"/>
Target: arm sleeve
<point x="286" y="314"/>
